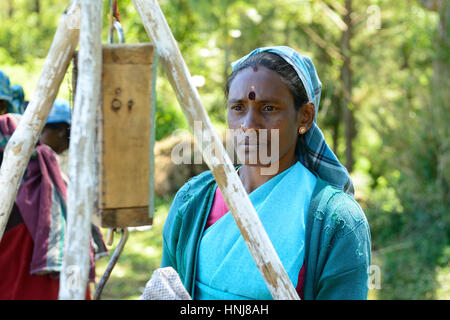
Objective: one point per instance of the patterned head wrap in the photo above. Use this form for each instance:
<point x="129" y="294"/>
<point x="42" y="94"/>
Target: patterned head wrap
<point x="315" y="153"/>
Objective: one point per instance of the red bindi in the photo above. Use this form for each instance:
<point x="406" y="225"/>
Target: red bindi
<point x="252" y="95"/>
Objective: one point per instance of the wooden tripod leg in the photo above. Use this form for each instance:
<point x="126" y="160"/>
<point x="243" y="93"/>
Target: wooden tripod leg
<point x="22" y="142"/>
<point x="82" y="173"/>
<point x="236" y="198"/>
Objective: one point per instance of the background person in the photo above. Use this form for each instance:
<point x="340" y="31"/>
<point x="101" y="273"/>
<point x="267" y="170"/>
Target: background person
<point x="56" y="132"/>
<point x="32" y="247"/>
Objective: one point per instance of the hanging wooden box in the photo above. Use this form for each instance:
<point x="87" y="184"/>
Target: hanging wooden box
<point x="125" y="137"/>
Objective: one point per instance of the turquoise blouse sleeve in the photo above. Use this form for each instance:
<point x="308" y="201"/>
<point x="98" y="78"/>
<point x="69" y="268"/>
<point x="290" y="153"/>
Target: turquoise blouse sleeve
<point x="171" y="230"/>
<point x="345" y="250"/>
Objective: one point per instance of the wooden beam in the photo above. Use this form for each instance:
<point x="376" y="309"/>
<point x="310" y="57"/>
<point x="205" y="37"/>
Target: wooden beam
<point x="82" y="174"/>
<point x="18" y="150"/>
<point x="235" y="196"/>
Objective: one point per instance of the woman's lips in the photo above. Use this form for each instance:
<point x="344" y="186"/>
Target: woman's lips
<point x="248" y="146"/>
<point x="251" y="142"/>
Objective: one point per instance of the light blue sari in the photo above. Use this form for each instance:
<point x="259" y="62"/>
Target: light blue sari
<point x="225" y="268"/>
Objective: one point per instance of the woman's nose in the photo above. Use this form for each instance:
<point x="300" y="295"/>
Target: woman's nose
<point x="251" y="120"/>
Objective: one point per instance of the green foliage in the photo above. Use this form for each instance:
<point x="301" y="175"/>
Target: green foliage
<point x="25" y="33"/>
<point x="169" y="117"/>
<point x="410" y="162"/>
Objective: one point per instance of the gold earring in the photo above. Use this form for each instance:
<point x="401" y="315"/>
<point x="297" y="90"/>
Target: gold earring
<point x="302" y="130"/>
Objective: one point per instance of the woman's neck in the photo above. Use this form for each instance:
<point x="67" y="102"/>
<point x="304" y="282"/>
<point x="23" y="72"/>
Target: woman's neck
<point x="253" y="176"/>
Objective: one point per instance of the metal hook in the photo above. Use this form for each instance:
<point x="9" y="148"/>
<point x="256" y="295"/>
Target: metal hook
<point x="120" y="33"/>
<point x="111" y="264"/>
<point x="115" y="24"/>
<point x="110" y="237"/>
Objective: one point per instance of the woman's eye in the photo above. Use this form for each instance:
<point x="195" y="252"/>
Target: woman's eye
<point x="269" y="108"/>
<point x="237" y="107"/>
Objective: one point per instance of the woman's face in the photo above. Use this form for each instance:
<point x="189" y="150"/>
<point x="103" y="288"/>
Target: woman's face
<point x="259" y="99"/>
<point x="55" y="138"/>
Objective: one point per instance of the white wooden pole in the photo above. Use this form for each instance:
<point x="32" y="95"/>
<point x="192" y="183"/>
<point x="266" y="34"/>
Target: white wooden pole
<point x="82" y="176"/>
<point x="18" y="150"/>
<point x="235" y="196"/>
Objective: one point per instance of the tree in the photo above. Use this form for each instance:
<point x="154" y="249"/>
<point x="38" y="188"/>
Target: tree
<point x="347" y="85"/>
<point x="440" y="94"/>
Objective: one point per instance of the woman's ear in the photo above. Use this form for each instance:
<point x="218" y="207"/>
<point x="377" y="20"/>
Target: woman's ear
<point x="306" y="117"/>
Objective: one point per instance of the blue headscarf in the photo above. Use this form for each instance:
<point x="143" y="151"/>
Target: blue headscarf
<point x="315" y="153"/>
<point x="5" y="88"/>
<point x="13" y="95"/>
<point x="60" y="112"/>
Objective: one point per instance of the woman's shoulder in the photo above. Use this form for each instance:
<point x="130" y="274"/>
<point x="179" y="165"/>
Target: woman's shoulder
<point x="339" y="224"/>
<point x="196" y="183"/>
<point x="188" y="197"/>
<point x="338" y="210"/>
<point x="196" y="187"/>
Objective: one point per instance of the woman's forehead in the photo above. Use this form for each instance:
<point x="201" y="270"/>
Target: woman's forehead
<point x="256" y="84"/>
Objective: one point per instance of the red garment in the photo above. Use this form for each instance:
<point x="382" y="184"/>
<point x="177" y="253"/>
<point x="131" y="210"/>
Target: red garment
<point x="16" y="282"/>
<point x="219" y="208"/>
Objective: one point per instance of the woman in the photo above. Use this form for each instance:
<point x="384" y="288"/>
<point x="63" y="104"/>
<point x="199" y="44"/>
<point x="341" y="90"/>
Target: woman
<point x="32" y="246"/>
<point x="319" y="232"/>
